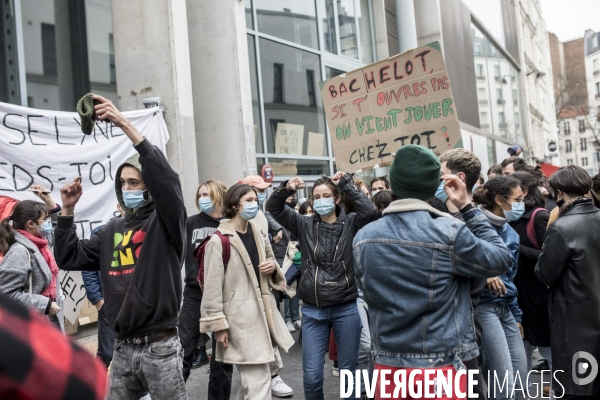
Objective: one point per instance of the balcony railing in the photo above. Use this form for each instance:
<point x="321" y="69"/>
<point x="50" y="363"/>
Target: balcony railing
<point x="503" y="125"/>
<point x="501" y="101"/>
<point x="483" y="101"/>
<point x="485" y="126"/>
<point x="597" y="95"/>
<point x="596" y="72"/>
<point x="481" y="77"/>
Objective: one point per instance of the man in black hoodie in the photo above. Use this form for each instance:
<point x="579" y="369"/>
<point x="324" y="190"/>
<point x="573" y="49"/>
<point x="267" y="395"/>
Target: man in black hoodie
<point x="139" y="258"/>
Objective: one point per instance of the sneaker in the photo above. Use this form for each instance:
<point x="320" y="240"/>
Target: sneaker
<point x="542" y="366"/>
<point x="201" y="360"/>
<point x="336" y="370"/>
<point x="279" y="388"/>
<point x="298" y="324"/>
<point x="546" y="391"/>
<point x="290" y="326"/>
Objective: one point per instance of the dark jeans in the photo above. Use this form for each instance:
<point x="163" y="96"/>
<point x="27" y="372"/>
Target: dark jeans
<point x="189" y="330"/>
<point x="154" y="367"/>
<point x="219" y="381"/>
<point x="106" y="339"/>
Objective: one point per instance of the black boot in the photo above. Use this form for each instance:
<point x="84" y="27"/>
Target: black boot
<point x="202" y="358"/>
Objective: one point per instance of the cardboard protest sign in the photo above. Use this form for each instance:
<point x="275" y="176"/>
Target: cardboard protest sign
<point x="289" y="138"/>
<point x="373" y="111"/>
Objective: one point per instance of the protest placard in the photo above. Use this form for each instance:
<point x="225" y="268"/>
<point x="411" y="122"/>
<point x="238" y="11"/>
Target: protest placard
<point x="289" y="138"/>
<point x="373" y="111"/>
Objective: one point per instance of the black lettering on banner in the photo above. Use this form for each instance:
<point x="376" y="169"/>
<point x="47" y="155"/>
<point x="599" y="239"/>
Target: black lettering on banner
<point x="383" y="74"/>
<point x="92" y="173"/>
<point x="96" y="222"/>
<point x="110" y="169"/>
<point x="101" y="131"/>
<point x="401" y="139"/>
<point x="408" y="67"/>
<point x="351" y="87"/>
<point x="382" y="147"/>
<point x="427" y="134"/>
<point x="3" y="177"/>
<point x="111" y="131"/>
<point x="81" y="224"/>
<point x="17" y="189"/>
<point x="30" y="131"/>
<point x="79" y="168"/>
<point x="14" y="129"/>
<point x="422" y="55"/>
<point x="370" y="153"/>
<point x="415" y="139"/>
<point x="44" y="177"/>
<point x="350" y="159"/>
<point x="57" y="134"/>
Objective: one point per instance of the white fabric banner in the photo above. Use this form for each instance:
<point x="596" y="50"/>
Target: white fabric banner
<point x="48" y="148"/>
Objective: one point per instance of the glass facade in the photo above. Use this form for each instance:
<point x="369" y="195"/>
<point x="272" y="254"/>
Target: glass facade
<point x="293" y="45"/>
<point x="67" y="54"/>
<point x="498" y="90"/>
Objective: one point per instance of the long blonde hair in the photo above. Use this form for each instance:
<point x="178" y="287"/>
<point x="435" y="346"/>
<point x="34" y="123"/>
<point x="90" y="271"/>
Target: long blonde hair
<point x="216" y="191"/>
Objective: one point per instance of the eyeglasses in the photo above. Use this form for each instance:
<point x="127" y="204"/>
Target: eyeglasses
<point x="519" y="199"/>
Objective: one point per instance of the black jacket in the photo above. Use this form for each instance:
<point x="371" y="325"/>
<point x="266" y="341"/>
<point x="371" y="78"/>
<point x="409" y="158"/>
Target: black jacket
<point x="198" y="227"/>
<point x="279" y="248"/>
<point x="327" y="268"/>
<point x="139" y="257"/>
<point x="570" y="265"/>
<point x="532" y="295"/>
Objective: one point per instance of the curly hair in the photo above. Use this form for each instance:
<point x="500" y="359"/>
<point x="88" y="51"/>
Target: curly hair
<point x="498" y="186"/>
<point x="465" y="161"/>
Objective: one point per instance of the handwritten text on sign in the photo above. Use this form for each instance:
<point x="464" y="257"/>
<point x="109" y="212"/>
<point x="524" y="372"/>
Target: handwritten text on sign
<point x="406" y="99"/>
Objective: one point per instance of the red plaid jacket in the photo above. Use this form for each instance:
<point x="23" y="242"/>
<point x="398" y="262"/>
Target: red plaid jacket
<point x="38" y="362"/>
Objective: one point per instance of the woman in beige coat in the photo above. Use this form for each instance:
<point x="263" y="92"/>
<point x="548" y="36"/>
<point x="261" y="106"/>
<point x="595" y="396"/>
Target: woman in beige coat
<point x="238" y="305"/>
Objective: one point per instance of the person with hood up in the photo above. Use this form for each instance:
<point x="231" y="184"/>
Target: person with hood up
<point x="414" y="252"/>
<point x="139" y="258"/>
<point x="501" y="200"/>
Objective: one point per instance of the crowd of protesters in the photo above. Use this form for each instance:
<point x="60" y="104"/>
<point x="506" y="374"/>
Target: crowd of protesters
<point x="432" y="266"/>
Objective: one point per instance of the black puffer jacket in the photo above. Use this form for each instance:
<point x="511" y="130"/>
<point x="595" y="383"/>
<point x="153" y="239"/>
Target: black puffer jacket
<point x="327" y="269"/>
<point x="569" y="265"/>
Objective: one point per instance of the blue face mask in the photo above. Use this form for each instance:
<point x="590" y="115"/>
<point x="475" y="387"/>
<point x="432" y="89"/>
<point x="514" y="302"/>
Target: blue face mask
<point x="250" y="210"/>
<point x="518" y="209"/>
<point x="440" y="193"/>
<point x="206" y="205"/>
<point x="474" y="188"/>
<point x="374" y="192"/>
<point x="261" y="198"/>
<point x="134" y="199"/>
<point x="45" y="230"/>
<point x="324" y="207"/>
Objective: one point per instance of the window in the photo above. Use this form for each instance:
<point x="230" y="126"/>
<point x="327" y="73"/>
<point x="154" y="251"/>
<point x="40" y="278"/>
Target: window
<point x="479" y="70"/>
<point x="111" y="59"/>
<point x="329" y="26"/>
<point x="293" y="20"/>
<point x="497" y="71"/>
<point x="570" y="161"/>
<point x="502" y="119"/>
<point x="567" y="128"/>
<point x="500" y="96"/>
<point x="517" y="120"/>
<point x="583" y="143"/>
<point x="310" y="81"/>
<point x="49" y="51"/>
<point x="568" y="147"/>
<point x="347" y="24"/>
<point x="278" y="83"/>
<point x="584" y="161"/>
<point x="597" y="88"/>
<point x="515" y="98"/>
<point x="581" y="125"/>
<point x="484" y="118"/>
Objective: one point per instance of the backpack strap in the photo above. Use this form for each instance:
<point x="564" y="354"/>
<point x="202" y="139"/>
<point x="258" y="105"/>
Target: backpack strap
<point x="226" y="245"/>
<point x="531" y="229"/>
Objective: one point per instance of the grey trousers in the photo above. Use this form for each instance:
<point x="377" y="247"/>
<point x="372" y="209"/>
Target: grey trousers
<point x="155" y="368"/>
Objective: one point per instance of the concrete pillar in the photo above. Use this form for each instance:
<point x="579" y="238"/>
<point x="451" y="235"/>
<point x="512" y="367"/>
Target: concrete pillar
<point x="152" y="60"/>
<point x="407" y="30"/>
<point x="380" y="30"/>
<point x="221" y="86"/>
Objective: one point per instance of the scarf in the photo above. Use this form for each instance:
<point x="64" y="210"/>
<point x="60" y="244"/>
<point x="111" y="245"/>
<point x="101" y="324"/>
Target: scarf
<point x="568" y="205"/>
<point x="42" y="245"/>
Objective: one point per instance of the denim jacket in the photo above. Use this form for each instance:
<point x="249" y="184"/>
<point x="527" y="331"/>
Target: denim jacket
<point x="512" y="240"/>
<point x="413" y="267"/>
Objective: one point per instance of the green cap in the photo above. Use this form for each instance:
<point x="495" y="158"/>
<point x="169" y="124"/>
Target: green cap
<point x="415" y="173"/>
<point x="85" y="109"/>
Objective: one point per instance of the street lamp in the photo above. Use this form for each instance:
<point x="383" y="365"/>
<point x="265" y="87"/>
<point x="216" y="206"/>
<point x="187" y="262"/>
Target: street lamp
<point x="538" y="73"/>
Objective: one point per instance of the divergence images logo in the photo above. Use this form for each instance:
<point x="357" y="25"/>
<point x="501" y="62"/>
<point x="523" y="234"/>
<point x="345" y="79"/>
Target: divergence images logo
<point x="580" y="367"/>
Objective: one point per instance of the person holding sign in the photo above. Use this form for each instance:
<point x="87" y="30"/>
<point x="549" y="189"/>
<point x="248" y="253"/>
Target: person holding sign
<point x="139" y="258"/>
<point x="327" y="284"/>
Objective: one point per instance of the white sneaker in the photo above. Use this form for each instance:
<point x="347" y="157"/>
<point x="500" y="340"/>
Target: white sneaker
<point x="279" y="388"/>
<point x="298" y="324"/>
<point x="335" y="371"/>
<point x="290" y="326"/>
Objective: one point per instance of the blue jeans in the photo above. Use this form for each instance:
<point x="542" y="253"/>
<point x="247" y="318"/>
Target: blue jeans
<point x="316" y="322"/>
<point x="292" y="309"/>
<point x="502" y="351"/>
<point x="364" y="350"/>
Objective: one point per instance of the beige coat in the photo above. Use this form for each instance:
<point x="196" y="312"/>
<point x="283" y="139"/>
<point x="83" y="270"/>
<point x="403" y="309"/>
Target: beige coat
<point x="234" y="301"/>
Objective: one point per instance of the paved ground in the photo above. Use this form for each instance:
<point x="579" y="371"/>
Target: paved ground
<point x="292" y="373"/>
